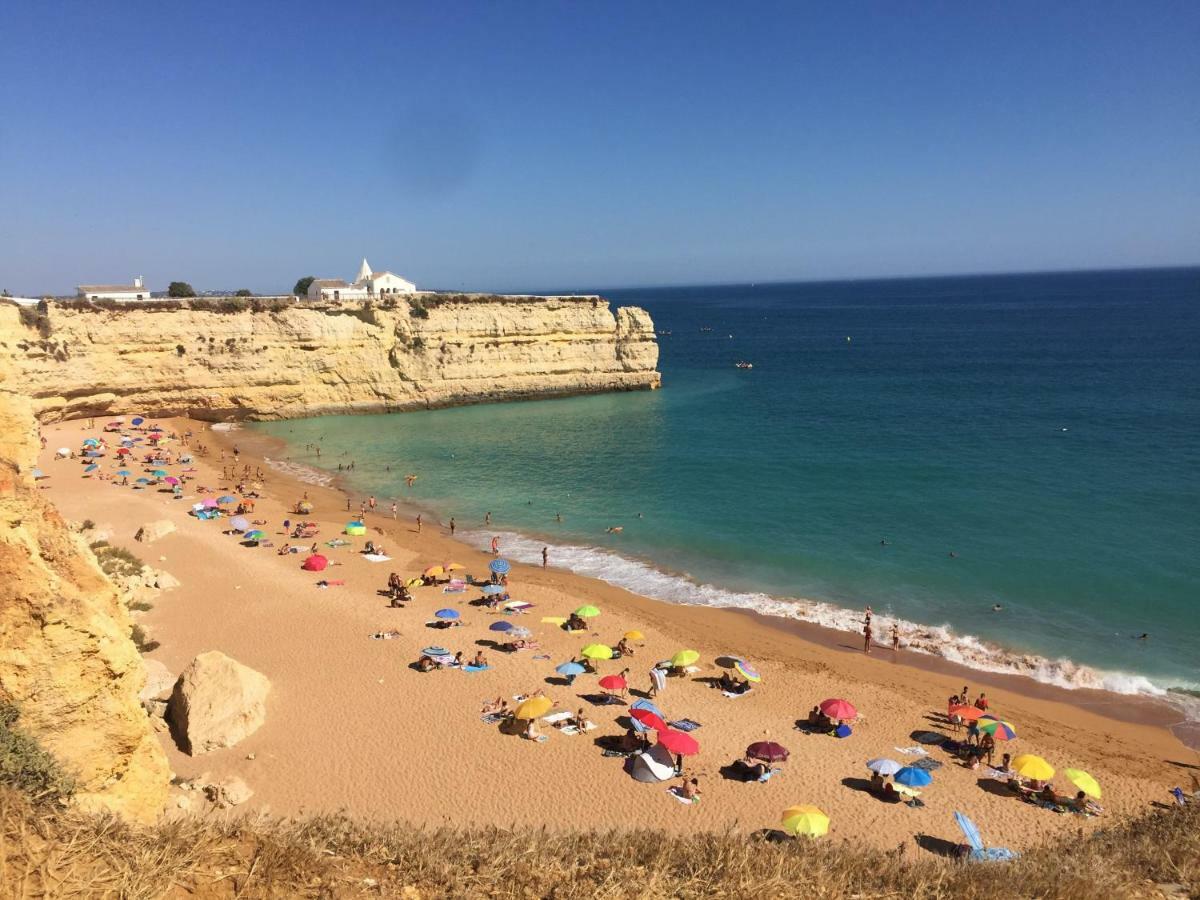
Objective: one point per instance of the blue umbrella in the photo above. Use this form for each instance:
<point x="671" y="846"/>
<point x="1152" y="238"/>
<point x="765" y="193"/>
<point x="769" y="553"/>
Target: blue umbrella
<point x="143" y="481"/>
<point x="912" y="777"/>
<point x="646" y="704"/>
<point x="570" y="668"/>
<point x="124" y="473"/>
<point x="91" y="442"/>
<point x="447" y="613"/>
<point x="491" y="590"/>
<point x="226" y="499"/>
<point x="92" y="453"/>
<point x="91" y="468"/>
<point x="137" y="420"/>
<point x="500" y="566"/>
<point x="507" y="626"/>
<point x="435" y="651"/>
<point x="970" y="832"/>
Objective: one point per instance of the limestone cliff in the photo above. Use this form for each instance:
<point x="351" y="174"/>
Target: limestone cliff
<point x="301" y="359"/>
<point x="66" y="657"/>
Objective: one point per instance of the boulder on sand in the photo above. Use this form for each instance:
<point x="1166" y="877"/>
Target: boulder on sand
<point x="152" y="531"/>
<point x="216" y="702"/>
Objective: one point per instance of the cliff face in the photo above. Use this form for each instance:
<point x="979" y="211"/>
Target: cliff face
<point x="66" y="657"/>
<point x="303" y="359"/>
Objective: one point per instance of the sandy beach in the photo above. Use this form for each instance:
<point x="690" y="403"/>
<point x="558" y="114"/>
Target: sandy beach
<point x="352" y="726"/>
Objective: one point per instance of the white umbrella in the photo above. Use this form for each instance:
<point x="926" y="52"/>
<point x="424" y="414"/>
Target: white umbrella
<point x="884" y="766"/>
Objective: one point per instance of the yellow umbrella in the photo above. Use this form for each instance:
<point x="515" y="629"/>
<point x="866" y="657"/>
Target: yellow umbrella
<point x="684" y="658"/>
<point x="634" y="635"/>
<point x="597" y="651"/>
<point x="1034" y="767"/>
<point x="805" y="820"/>
<point x="533" y="708"/>
<point x="1083" y="781"/>
<point x="434" y="571"/>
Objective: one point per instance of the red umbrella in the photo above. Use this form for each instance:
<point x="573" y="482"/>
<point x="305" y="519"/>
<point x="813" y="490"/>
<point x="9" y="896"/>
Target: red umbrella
<point x="315" y="563"/>
<point x="613" y="683"/>
<point x="679" y="742"/>
<point x="965" y="712"/>
<point x="767" y="751"/>
<point x="124" y="451"/>
<point x="648" y="718"/>
<point x="839" y="709"/>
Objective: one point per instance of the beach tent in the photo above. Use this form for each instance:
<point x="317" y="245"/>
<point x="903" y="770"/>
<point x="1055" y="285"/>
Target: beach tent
<point x="653" y="766"/>
<point x="315" y="563"/>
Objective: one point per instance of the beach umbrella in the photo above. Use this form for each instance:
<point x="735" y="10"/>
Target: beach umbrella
<point x="207" y="502"/>
<point x="646" y="704"/>
<point x="124" y="473"/>
<point x="884" y="766"/>
<point x="684" y="658"/>
<point x="842" y="731"/>
<point x="123" y="451"/>
<point x="970" y="832"/>
<point x="587" y="612"/>
<point x="239" y="523"/>
<point x="137" y="420"/>
<point x="838" y="709"/>
<point x="315" y="563"/>
<point x="504" y="626"/>
<point x="446" y="614"/>
<point x="613" y="683"/>
<point x="225" y="499"/>
<point x="767" y="751"/>
<point x="597" y="651"/>
<point x="634" y="635"/>
<point x="653" y="766"/>
<point x="648" y="718"/>
<point x="491" y="590"/>
<point x="356" y="528"/>
<point x="142" y="481"/>
<point x="806" y="820"/>
<point x="997" y="728"/>
<point x="533" y="708"/>
<point x="500" y="566"/>
<point x="1029" y="766"/>
<point x="431" y="572"/>
<point x="304" y="506"/>
<point x="162" y="473"/>
<point x="435" y="651"/>
<point x="255" y="535"/>
<point x="570" y="668"/>
<point x="910" y="776"/>
<point x="92" y="454"/>
<point x="90" y="468"/>
<point x="171" y="479"/>
<point x="966" y="713"/>
<point x="1083" y="781"/>
<point x="679" y="742"/>
<point x="519" y="631"/>
<point x="91" y="442"/>
<point x="747" y="671"/>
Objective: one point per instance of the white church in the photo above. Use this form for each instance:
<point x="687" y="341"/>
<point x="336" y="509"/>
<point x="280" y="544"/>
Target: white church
<point x="366" y="285"/>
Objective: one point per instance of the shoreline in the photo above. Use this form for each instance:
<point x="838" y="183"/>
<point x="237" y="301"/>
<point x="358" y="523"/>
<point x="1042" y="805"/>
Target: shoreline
<point x="1133" y="708"/>
<point x="350" y="725"/>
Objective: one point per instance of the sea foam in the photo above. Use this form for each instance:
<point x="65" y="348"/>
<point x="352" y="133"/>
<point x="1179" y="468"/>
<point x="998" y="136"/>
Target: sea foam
<point x="935" y="640"/>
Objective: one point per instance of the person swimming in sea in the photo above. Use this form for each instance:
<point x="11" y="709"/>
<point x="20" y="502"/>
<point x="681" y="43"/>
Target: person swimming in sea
<point x="996" y="607"/>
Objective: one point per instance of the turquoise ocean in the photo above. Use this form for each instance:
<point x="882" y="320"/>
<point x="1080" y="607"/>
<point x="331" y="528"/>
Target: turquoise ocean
<point x="1044" y="429"/>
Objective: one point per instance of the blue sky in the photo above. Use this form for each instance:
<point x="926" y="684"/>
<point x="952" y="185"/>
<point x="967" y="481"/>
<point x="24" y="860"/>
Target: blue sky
<point x="537" y="145"/>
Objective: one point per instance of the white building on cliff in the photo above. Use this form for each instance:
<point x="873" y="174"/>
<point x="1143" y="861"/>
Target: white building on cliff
<point x="366" y="284"/>
<point x="134" y="292"/>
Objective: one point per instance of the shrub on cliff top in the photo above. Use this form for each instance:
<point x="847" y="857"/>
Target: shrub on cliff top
<point x="25" y="766"/>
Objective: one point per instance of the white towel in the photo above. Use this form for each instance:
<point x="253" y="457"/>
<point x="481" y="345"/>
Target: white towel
<point x="912" y="751"/>
<point x="375" y="557"/>
<point x="556" y="717"/>
<point x="733" y="696"/>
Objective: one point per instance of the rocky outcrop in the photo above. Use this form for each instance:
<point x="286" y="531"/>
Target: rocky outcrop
<point x="303" y="359"/>
<point x="216" y="702"/>
<point x="152" y="531"/>
<point x="66" y="657"/>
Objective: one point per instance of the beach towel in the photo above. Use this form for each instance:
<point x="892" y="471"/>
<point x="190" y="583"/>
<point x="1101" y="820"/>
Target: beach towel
<point x="622" y="753"/>
<point x="328" y="584"/>
<point x="554" y="620"/>
<point x="733" y="696"/>
<point x="375" y="557"/>
<point x="691" y="670"/>
<point x="541" y="738"/>
<point x="452" y="589"/>
<point x="675" y="792"/>
<point x="518" y="606"/>
<point x="491" y="718"/>
<point x="659" y="677"/>
<point x="556" y="717"/>
<point x="766" y="776"/>
<point x="542" y="656"/>
<point x="684" y="725"/>
<point x="929" y="765"/>
<point x="573" y="729"/>
<point x="385" y="635"/>
<point x="470" y="668"/>
<point x="336" y="542"/>
<point x="912" y="751"/>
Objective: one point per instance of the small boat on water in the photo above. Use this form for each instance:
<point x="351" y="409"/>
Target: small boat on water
<point x="742" y="364"/>
<point x="706" y="328"/>
<point x="663" y="333"/>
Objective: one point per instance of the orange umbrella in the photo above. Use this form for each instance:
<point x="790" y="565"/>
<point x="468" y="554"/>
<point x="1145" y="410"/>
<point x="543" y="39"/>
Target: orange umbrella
<point x="967" y="713"/>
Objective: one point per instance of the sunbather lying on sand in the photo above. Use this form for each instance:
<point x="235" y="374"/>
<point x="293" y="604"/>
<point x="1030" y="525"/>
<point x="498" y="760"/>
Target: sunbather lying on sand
<point x="520" y="644"/>
<point x="499" y="705"/>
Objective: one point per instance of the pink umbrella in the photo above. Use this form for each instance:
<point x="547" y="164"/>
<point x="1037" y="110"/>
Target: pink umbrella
<point x="839" y="709"/>
<point x="210" y="502"/>
<point x="171" y="480"/>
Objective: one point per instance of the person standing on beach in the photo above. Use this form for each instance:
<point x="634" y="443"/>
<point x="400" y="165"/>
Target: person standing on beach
<point x="895" y="636"/>
<point x="394" y="509"/>
<point x="545" y="556"/>
<point x="371" y="502"/>
<point x="495" y="545"/>
<point x="347" y="504"/>
<point x="867" y="637"/>
<point x="418" y="523"/>
<point x="452" y="526"/>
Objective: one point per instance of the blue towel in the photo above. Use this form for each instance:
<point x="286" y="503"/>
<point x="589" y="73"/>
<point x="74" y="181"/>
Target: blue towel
<point x="766" y="776"/>
<point x="469" y="668"/>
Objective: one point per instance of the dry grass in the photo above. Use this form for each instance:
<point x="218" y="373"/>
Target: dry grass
<point x="48" y="853"/>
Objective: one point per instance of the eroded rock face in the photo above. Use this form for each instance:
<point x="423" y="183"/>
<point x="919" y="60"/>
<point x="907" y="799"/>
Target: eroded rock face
<point x="312" y="360"/>
<point x="152" y="531"/>
<point x="66" y="657"/>
<point x="216" y="702"/>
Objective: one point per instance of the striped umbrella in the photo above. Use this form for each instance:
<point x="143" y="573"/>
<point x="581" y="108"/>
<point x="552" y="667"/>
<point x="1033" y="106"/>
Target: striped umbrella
<point x="747" y="671"/>
<point x="255" y="535"/>
<point x="997" y="728"/>
<point x="500" y="566"/>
